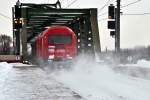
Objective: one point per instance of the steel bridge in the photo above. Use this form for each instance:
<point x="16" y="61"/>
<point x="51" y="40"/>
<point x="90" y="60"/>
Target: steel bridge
<point x="36" y="17"/>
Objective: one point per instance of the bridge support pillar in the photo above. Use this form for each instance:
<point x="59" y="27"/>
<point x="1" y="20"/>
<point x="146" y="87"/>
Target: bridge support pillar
<point x="95" y="31"/>
<point x="24" y="41"/>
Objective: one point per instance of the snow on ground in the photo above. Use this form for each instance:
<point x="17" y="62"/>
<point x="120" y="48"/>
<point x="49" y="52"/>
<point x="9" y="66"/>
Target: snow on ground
<point x="99" y="82"/>
<point x="141" y="63"/>
<point x="91" y="80"/>
<point x="21" y="65"/>
<point x="31" y="83"/>
<point x="141" y="69"/>
<point x="4" y="70"/>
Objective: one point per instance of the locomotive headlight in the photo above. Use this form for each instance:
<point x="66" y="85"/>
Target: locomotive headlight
<point x="69" y="57"/>
<point x="51" y="57"/>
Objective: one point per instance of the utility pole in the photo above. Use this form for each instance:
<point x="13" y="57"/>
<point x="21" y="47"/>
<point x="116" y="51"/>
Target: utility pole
<point x="117" y="18"/>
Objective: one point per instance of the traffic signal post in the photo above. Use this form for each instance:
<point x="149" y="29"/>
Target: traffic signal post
<point x="111" y="19"/>
<point x="117" y="18"/>
<point x="114" y="23"/>
<point x="17" y="25"/>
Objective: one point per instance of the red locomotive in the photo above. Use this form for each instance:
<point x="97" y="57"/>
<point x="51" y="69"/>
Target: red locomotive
<point x="57" y="43"/>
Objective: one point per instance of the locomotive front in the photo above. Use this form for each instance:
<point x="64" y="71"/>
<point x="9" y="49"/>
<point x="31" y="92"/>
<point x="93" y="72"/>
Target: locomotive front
<point x="58" y="43"/>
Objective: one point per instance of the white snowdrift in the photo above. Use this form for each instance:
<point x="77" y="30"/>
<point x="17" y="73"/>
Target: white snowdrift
<point x="140" y="63"/>
<point x="143" y="63"/>
<point x="21" y="65"/>
<point x="99" y="82"/>
<point x="4" y="70"/>
<point x="4" y="67"/>
<point x="141" y="69"/>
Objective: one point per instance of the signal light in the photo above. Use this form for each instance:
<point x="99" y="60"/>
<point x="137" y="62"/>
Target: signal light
<point x="17" y="23"/>
<point x="111" y="25"/>
<point x="110" y="17"/>
<point x="111" y="11"/>
<point x="17" y="11"/>
<point x="20" y="21"/>
<point x="112" y="33"/>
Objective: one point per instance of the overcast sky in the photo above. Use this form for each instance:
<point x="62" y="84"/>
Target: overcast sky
<point x="135" y="29"/>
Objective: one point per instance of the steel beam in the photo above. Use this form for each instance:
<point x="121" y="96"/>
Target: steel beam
<point x="83" y="22"/>
<point x="51" y="17"/>
<point x="70" y="11"/>
<point x="94" y="30"/>
<point x="24" y="35"/>
<point x="56" y="14"/>
<point x="89" y="37"/>
<point x="17" y="38"/>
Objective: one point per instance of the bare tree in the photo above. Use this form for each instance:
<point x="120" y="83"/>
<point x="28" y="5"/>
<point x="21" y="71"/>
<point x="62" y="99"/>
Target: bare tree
<point x="5" y="42"/>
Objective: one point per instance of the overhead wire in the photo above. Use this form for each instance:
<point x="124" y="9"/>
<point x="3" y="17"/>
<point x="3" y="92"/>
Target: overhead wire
<point x="103" y="14"/>
<point x="131" y="3"/>
<point x="107" y="3"/>
<point x="62" y="1"/>
<point x="71" y="3"/>
<point x="134" y="13"/>
<point x="138" y="14"/>
<point x="121" y="6"/>
<point x="5" y="16"/>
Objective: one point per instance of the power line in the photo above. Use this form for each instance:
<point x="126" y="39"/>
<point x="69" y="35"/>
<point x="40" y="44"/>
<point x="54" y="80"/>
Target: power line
<point x="121" y="7"/>
<point x="107" y="3"/>
<point x="71" y="3"/>
<point x="138" y="14"/>
<point x="127" y="14"/>
<point x="62" y="1"/>
<point x="5" y="16"/>
<point x="131" y="3"/>
<point x="103" y="14"/>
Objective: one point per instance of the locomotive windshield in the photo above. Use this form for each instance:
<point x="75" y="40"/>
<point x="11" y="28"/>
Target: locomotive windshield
<point x="59" y="39"/>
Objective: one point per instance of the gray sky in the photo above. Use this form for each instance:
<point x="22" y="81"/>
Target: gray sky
<point x="135" y="29"/>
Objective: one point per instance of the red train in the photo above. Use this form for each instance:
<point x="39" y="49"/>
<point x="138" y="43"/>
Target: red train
<point x="58" y="43"/>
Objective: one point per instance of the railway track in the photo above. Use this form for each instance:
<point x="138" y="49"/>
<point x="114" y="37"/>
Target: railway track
<point x="32" y="83"/>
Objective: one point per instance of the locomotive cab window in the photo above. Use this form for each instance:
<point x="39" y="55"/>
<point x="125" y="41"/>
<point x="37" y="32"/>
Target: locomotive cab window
<point x="59" y="39"/>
